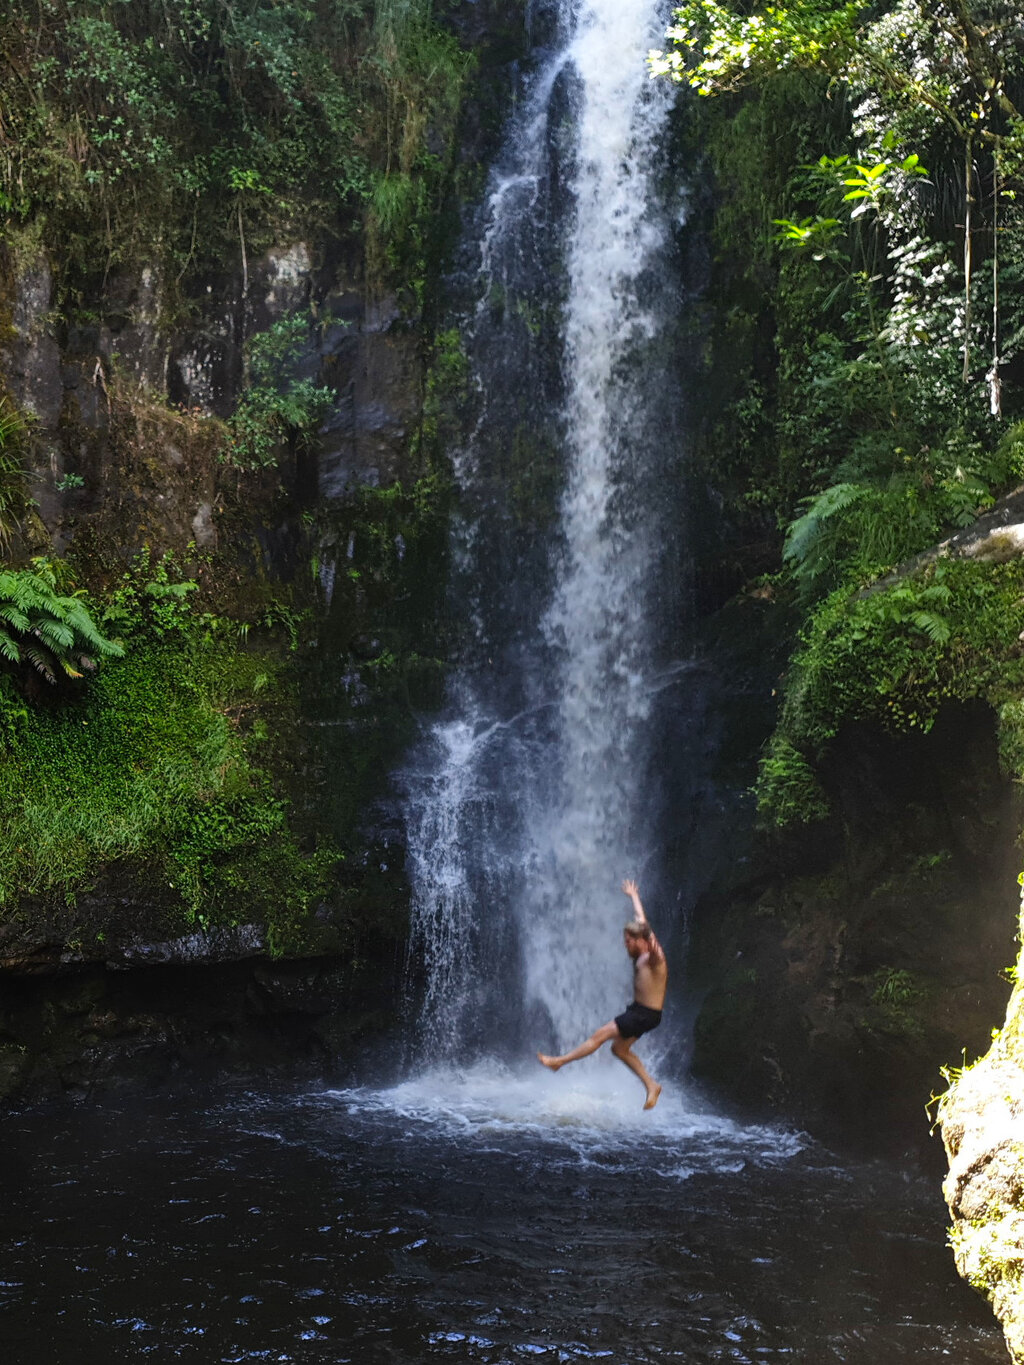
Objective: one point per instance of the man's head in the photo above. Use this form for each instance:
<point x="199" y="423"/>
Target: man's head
<point x="637" y="935"/>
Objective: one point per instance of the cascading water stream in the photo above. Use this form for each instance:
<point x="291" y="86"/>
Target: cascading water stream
<point x="533" y="796"/>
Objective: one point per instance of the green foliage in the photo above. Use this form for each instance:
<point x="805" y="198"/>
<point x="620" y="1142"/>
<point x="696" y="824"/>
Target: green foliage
<point x="446" y="392"/>
<point x="1011" y="738"/>
<point x="881" y="353"/>
<point x="732" y="48"/>
<point x="788" y="789"/>
<point x="151" y="601"/>
<point x="894" y="656"/>
<point x="871" y="187"/>
<point x="852" y="532"/>
<point x="894" y="986"/>
<point x="416" y="74"/>
<point x="278" y="404"/>
<point x="858" y="416"/>
<point x="952" y="65"/>
<point x="180" y="133"/>
<point x="813" y="231"/>
<point x="804" y="546"/>
<point x="49" y="631"/>
<point x="868" y="184"/>
<point x="896" y="997"/>
<point x="103" y="779"/>
<point x="918" y="454"/>
<point x="158" y="767"/>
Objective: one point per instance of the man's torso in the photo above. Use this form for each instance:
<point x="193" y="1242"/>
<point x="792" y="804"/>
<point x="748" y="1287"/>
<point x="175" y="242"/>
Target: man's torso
<point x="650" y="978"/>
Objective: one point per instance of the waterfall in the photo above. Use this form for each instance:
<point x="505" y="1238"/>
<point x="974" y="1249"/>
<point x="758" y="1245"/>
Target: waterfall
<point x="534" y="794"/>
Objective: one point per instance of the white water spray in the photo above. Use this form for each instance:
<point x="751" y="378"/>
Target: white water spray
<point x="527" y="804"/>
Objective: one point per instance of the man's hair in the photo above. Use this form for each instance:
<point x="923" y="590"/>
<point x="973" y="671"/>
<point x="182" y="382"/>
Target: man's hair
<point x="638" y="928"/>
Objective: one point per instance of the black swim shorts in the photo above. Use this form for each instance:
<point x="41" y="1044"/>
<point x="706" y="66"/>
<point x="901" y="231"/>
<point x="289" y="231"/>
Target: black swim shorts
<point x="636" y="1019"/>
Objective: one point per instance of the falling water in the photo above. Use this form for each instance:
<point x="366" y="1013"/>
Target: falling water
<point x="532" y="797"/>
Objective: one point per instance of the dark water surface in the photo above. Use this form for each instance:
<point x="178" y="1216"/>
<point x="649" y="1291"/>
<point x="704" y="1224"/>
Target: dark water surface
<point x="484" y="1218"/>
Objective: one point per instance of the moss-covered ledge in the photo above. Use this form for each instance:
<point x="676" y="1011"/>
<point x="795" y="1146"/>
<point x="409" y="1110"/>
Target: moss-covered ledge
<point x="982" y="1120"/>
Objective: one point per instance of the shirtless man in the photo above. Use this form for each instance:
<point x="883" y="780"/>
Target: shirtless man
<point x="650" y="977"/>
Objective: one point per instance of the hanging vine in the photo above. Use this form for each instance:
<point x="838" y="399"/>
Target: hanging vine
<point x="968" y="249"/>
<point x="995" y="387"/>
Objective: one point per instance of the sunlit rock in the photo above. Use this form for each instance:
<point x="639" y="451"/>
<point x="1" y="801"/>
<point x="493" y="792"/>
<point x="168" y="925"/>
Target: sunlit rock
<point x="982" y="1119"/>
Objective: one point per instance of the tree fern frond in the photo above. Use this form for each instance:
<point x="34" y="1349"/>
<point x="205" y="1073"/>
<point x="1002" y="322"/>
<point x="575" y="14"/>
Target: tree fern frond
<point x="14" y="617"/>
<point x="803" y="533"/>
<point x="41" y="660"/>
<point x="934" y="626"/>
<point x="78" y="619"/>
<point x="935" y="592"/>
<point x="54" y="632"/>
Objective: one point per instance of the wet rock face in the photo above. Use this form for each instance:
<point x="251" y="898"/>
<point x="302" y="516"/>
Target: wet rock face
<point x="375" y="368"/>
<point x="89" y="1027"/>
<point x="76" y="379"/>
<point x="33" y="359"/>
<point x="862" y="957"/>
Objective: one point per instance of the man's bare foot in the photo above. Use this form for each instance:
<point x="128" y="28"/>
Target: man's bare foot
<point x="652" y="1096"/>
<point x="552" y="1063"/>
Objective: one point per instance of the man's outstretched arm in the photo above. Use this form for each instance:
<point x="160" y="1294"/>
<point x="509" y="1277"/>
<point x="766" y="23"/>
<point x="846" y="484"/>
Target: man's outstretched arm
<point x="630" y="888"/>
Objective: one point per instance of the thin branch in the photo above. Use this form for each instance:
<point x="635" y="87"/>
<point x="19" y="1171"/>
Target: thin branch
<point x="245" y="261"/>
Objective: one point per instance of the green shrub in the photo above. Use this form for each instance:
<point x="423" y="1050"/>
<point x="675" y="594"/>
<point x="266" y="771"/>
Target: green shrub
<point x="894" y="656"/>
<point x="190" y="134"/>
<point x="897" y="654"/>
<point x="1011" y="738"/>
<point x="159" y="768"/>
<point x="276" y="405"/>
<point x="896" y="1000"/>
<point x="788" y="790"/>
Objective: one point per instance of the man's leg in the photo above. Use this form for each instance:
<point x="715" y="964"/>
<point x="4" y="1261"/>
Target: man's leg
<point x="621" y="1047"/>
<point x="597" y="1039"/>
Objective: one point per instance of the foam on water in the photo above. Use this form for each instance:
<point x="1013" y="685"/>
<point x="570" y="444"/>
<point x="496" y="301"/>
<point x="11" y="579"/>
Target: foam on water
<point x="586" y="1116"/>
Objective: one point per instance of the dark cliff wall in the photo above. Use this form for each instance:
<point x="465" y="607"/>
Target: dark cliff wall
<point x="849" y="962"/>
<point x="221" y="439"/>
<point x="863" y="803"/>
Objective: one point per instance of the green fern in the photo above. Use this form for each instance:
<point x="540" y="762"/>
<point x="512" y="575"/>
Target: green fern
<point x="910" y="604"/>
<point x="806" y="535"/>
<point x="860" y="529"/>
<point x="49" y="630"/>
<point x="935" y="627"/>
